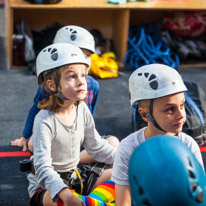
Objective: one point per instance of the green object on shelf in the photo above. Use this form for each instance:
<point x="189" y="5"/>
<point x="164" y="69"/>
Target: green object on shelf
<point x="117" y="1"/>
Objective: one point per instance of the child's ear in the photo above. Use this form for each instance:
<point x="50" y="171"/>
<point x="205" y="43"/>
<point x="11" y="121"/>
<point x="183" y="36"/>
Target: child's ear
<point x="51" y="85"/>
<point x="143" y="113"/>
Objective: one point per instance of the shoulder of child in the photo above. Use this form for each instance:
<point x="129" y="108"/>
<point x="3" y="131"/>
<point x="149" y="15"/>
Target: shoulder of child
<point x="91" y="79"/>
<point x="44" y="114"/>
<point x="187" y="139"/>
<point x="133" y="140"/>
<point x="83" y="106"/>
<point x="83" y="111"/>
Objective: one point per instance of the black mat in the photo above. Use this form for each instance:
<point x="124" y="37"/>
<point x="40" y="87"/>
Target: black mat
<point x="13" y="184"/>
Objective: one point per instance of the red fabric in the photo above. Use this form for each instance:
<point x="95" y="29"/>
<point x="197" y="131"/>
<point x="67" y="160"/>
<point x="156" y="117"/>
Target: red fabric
<point x="34" y="200"/>
<point x="60" y="202"/>
<point x="19" y="50"/>
<point x="203" y="149"/>
<point x="14" y="154"/>
<point x="188" y="23"/>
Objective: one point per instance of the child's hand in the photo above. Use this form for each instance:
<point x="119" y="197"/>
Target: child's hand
<point x="203" y="144"/>
<point x="74" y="201"/>
<point x="21" y="142"/>
<point x="69" y="199"/>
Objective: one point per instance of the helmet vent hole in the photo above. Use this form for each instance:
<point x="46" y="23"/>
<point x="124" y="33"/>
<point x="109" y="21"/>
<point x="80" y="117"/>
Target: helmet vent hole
<point x="53" y="51"/>
<point x="146" y="74"/>
<point x="146" y="202"/>
<point x="135" y="180"/>
<point x="191" y="174"/>
<point x="73" y="31"/>
<point x="73" y="37"/>
<point x="152" y="77"/>
<point x="154" y="85"/>
<point x="189" y="162"/>
<point x="194" y="186"/>
<point x="200" y="195"/>
<point x="141" y="191"/>
<point x="197" y="190"/>
<point x="173" y="83"/>
<point x="139" y="74"/>
<point x="73" y="55"/>
<point x="54" y="56"/>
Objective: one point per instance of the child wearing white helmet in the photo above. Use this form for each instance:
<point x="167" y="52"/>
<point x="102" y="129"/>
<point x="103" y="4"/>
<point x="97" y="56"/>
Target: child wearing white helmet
<point x="83" y="39"/>
<point x="62" y="126"/>
<point x="159" y="91"/>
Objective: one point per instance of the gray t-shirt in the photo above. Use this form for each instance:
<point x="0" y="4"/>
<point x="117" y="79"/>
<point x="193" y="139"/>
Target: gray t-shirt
<point x="129" y="144"/>
<point x="57" y="148"/>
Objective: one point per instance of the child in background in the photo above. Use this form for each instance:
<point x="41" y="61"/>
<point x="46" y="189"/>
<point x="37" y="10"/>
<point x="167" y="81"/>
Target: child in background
<point x="83" y="39"/>
<point x="159" y="91"/>
<point x="62" y="126"/>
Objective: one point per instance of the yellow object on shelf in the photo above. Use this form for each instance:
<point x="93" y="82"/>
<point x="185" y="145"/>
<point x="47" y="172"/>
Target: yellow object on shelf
<point x="103" y="66"/>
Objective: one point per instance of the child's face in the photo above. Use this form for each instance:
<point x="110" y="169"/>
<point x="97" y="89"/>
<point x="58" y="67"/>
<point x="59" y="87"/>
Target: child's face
<point x="169" y="112"/>
<point x="88" y="55"/>
<point x="73" y="83"/>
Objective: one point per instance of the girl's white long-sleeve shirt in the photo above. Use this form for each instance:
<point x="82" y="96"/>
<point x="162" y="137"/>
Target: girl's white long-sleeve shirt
<point x="57" y="148"/>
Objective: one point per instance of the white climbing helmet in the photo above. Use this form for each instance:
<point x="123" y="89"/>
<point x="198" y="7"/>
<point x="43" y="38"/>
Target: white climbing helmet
<point x="76" y="35"/>
<point x="154" y="81"/>
<point x="58" y="55"/>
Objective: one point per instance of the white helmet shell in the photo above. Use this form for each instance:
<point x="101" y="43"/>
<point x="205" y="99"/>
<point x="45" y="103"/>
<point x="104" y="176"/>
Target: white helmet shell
<point x="76" y="35"/>
<point x="58" y="55"/>
<point x="154" y="81"/>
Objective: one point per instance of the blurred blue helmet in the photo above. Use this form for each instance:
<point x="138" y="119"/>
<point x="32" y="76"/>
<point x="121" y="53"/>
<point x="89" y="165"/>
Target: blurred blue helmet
<point x="164" y="172"/>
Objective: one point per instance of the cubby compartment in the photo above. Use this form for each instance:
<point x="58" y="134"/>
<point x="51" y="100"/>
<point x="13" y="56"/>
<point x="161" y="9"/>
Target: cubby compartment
<point x="112" y="20"/>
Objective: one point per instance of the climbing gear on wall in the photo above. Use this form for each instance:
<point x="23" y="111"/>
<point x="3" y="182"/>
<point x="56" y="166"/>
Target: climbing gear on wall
<point x="145" y="46"/>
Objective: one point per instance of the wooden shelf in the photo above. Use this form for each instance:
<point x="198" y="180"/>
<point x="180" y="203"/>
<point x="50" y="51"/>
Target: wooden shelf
<point x="195" y="64"/>
<point x="163" y="5"/>
<point x="113" y="20"/>
<point x="102" y="4"/>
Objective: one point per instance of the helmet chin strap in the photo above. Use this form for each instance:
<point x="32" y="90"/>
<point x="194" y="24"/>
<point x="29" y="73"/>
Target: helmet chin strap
<point x="151" y="118"/>
<point x="58" y="93"/>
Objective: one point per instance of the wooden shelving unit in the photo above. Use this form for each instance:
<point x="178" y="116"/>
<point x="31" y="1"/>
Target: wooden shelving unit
<point x="112" y="20"/>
